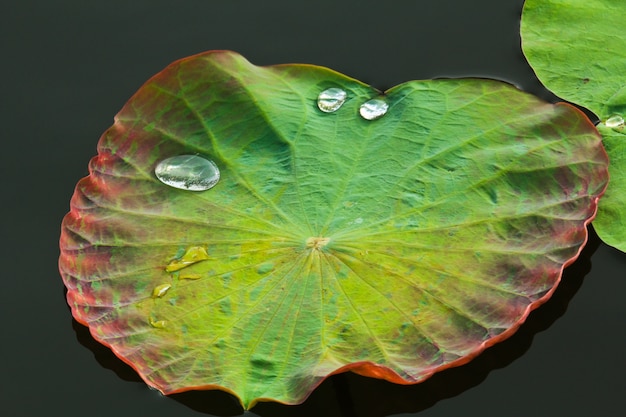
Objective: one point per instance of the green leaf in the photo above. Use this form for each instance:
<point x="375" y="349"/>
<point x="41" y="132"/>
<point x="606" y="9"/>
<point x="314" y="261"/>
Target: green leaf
<point x="394" y="247"/>
<point x="610" y="222"/>
<point x="578" y="50"/>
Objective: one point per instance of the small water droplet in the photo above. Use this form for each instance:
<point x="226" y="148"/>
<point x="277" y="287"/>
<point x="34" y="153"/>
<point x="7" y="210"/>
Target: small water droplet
<point x="160" y="290"/>
<point x="189" y="276"/>
<point x="615" y="121"/>
<point x="331" y="99"/>
<point x="188" y="172"/>
<point x="373" y="109"/>
<point x="192" y="255"/>
<point x="158" y="324"/>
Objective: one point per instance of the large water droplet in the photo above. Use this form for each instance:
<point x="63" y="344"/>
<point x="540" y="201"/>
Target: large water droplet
<point x="188" y="172"/>
<point x="615" y="121"/>
<point x="373" y="109"/>
<point x="330" y="100"/>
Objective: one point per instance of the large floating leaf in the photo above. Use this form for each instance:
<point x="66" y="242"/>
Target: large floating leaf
<point x="393" y="247"/>
<point x="578" y="50"/>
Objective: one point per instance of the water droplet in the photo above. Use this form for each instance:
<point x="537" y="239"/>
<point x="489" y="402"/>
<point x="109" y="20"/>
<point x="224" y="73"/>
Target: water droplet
<point x="160" y="290"/>
<point x="330" y="100"/>
<point x="189" y="276"/>
<point x="188" y="172"/>
<point x="192" y="255"/>
<point x="158" y="324"/>
<point x="373" y="109"/>
<point x="615" y="121"/>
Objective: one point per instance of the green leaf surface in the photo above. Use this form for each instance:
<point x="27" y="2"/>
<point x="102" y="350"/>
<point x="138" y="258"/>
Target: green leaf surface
<point x="394" y="247"/>
<point x="610" y="222"/>
<point x="578" y="50"/>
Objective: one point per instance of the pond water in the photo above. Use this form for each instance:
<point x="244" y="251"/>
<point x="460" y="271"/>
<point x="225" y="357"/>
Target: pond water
<point x="71" y="65"/>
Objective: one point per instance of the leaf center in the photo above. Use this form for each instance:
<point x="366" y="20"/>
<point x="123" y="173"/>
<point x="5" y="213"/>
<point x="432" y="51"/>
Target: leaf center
<point x="317" y="243"/>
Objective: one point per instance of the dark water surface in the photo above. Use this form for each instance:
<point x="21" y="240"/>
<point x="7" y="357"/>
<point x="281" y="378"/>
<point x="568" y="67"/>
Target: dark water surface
<point x="69" y="66"/>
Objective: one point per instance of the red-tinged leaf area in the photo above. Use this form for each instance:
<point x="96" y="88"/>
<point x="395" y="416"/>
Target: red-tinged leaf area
<point x="318" y="240"/>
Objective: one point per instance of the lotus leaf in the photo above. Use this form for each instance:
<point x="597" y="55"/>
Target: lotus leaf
<point x="578" y="50"/>
<point x="393" y="247"/>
